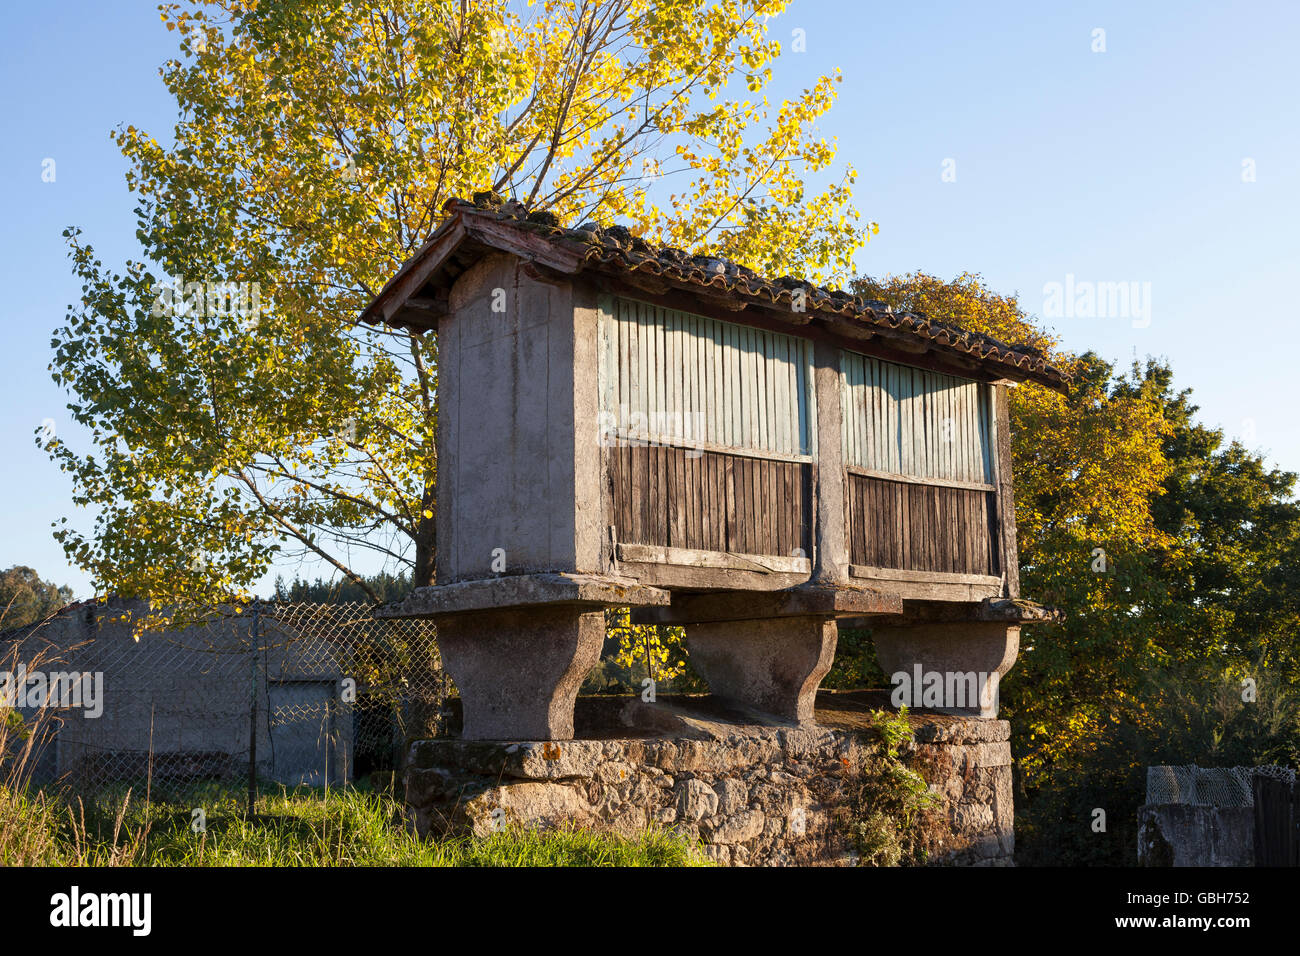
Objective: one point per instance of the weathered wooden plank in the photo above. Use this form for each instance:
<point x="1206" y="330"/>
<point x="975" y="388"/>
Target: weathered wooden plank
<point x="919" y="527"/>
<point x="1009" y="560"/>
<point x="947" y="409"/>
<point x="693" y="400"/>
<point x="692" y="489"/>
<point x="852" y="519"/>
<point x="909" y="479"/>
<point x="763" y="386"/>
<point x="745" y="506"/>
<point x="729" y="475"/>
<point x="660" y="495"/>
<point x="961" y="433"/>
<point x="754" y="491"/>
<point x="938" y="539"/>
<point x="731" y="393"/>
<point x="646" y="490"/>
<point x="617" y="488"/>
<point x="698" y="558"/>
<point x="777" y="508"/>
<point x="790" y="507"/>
<point x="804" y="389"/>
<point x="902" y="420"/>
<point x="638" y="471"/>
<point x="726" y="483"/>
<point x="900" y="574"/>
<point x="753" y="540"/>
<point x="703" y="509"/>
<point x="954" y="515"/>
<point x="720" y="477"/>
<point x="779" y="377"/>
<point x="672" y="497"/>
<point x="631" y="506"/>
<point x="713" y="390"/>
<point x="645" y="364"/>
<point x="781" y="509"/>
<point x="802" y="514"/>
<point x="622" y="483"/>
<point x="987" y="447"/>
<point x="750" y="382"/>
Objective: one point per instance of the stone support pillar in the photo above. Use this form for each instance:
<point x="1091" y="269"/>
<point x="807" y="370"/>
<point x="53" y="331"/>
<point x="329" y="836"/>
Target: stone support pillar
<point x="772" y="666"/>
<point x="951" y="667"/>
<point x="518" y="671"/>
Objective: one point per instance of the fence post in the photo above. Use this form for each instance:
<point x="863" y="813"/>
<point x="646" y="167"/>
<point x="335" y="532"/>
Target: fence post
<point x="1274" y="824"/>
<point x="1295" y="822"/>
<point x="254" y="639"/>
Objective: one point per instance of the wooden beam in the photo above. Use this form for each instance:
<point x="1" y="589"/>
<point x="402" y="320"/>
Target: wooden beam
<point x="826" y="602"/>
<point x="691" y="558"/>
<point x="417" y="271"/>
<point x="934" y="585"/>
<point x="924" y="577"/>
<point x="509" y="237"/>
<point x="912" y="480"/>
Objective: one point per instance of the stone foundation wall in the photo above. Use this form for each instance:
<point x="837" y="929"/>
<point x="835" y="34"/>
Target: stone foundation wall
<point x="751" y="794"/>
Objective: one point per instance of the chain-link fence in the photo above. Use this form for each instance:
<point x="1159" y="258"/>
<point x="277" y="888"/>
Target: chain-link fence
<point x="1209" y="786"/>
<point x="275" y="694"/>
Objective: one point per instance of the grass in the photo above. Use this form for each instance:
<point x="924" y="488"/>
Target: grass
<point x="151" y="824"/>
<point x="303" y="827"/>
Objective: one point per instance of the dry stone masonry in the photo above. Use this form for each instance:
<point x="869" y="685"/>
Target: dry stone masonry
<point x="749" y="794"/>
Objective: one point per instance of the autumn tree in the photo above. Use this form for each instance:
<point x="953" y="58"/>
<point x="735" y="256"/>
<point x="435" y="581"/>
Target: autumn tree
<point x="1088" y="469"/>
<point x="25" y="597"/>
<point x="236" y="410"/>
<point x="1174" y="554"/>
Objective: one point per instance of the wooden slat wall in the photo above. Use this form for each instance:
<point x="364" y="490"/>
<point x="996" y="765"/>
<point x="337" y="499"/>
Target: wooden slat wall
<point x="710" y="501"/>
<point x="908" y="421"/>
<point x="673" y="377"/>
<point x="916" y="527"/>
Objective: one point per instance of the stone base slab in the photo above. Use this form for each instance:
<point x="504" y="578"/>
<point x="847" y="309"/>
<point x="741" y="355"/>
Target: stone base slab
<point x="524" y="590"/>
<point x="518" y="646"/>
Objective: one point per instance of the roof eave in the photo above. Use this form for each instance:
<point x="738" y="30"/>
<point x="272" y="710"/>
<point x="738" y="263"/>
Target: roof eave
<point x="415" y="298"/>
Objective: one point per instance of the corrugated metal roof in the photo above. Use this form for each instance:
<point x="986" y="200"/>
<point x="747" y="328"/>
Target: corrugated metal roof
<point x="474" y="228"/>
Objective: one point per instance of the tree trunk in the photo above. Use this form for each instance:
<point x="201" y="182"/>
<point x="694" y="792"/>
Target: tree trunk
<point x="426" y="544"/>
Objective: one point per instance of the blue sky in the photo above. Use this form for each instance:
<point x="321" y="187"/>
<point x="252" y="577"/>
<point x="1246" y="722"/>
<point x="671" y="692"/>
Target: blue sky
<point x="1122" y="166"/>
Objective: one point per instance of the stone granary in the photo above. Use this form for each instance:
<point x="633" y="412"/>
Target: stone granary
<point x="754" y="459"/>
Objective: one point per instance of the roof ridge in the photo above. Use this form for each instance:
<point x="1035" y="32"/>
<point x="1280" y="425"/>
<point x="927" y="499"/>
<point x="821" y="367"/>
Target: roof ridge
<point x="616" y="246"/>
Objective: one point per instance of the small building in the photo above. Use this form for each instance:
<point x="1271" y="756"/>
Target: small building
<point x="179" y="705"/>
<point x="752" y="458"/>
